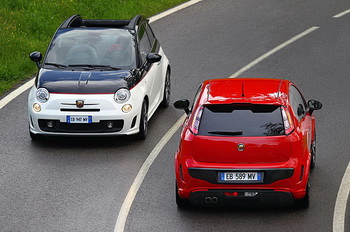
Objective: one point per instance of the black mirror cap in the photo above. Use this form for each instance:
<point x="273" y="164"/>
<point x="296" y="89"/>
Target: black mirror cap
<point x="182" y="104"/>
<point x="36" y="57"/>
<point x="314" y="105"/>
<point x="153" y="58"/>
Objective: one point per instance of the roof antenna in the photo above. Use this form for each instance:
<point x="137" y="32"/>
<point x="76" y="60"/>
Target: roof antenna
<point x="242" y="89"/>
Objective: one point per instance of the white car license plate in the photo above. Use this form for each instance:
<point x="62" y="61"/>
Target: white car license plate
<point x="79" y="119"/>
<point x="240" y="177"/>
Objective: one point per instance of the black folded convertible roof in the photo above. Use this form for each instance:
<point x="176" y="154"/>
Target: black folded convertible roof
<point x="76" y="21"/>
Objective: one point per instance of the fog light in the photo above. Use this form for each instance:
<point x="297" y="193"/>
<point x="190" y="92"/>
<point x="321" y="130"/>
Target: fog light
<point x="231" y="194"/>
<point x="109" y="125"/>
<point x="126" y="108"/>
<point x="50" y="124"/>
<point x="36" y="107"/>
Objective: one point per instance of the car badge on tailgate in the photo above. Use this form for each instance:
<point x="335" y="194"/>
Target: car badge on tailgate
<point x="79" y="103"/>
<point x="240" y="147"/>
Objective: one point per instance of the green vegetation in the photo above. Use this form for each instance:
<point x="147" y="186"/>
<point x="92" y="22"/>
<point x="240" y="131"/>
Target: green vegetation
<point x="28" y="25"/>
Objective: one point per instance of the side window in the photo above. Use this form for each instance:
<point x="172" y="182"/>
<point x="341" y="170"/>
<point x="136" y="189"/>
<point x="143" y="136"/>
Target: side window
<point x="298" y="102"/>
<point x="150" y="35"/>
<point x="145" y="46"/>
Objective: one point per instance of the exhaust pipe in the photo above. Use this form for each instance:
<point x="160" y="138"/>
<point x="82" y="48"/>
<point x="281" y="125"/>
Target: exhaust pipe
<point x="209" y="200"/>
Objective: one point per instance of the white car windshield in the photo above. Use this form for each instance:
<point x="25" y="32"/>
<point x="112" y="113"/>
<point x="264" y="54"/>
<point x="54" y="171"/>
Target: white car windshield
<point x="93" y="46"/>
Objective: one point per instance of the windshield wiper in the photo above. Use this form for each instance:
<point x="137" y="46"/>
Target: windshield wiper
<point x="226" y="132"/>
<point x="106" y="67"/>
<point x="94" y="66"/>
<point x="57" y="65"/>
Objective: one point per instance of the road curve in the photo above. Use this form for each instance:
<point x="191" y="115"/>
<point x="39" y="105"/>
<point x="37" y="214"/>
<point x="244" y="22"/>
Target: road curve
<point x="81" y="184"/>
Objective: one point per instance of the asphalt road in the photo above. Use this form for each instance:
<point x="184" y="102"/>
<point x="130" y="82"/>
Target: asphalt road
<point x="80" y="184"/>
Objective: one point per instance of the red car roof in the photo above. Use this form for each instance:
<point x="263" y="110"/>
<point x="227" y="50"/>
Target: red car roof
<point x="247" y="90"/>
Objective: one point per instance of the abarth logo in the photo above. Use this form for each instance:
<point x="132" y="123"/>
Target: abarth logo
<point x="79" y="103"/>
<point x="240" y="147"/>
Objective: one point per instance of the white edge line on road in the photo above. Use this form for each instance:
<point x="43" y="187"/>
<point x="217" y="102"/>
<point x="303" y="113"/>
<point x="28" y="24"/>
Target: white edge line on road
<point x="341" y="202"/>
<point x="16" y="93"/>
<point x="342" y="14"/>
<point x="172" y="10"/>
<point x="124" y="211"/>
<point x="279" y="47"/>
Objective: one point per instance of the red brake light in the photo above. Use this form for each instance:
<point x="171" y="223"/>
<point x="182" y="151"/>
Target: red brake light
<point x="287" y="121"/>
<point x="231" y="194"/>
<point x="196" y="120"/>
<point x="197" y="114"/>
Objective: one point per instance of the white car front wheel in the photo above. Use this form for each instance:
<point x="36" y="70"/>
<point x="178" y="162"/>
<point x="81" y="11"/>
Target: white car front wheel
<point x="143" y="122"/>
<point x="166" y="94"/>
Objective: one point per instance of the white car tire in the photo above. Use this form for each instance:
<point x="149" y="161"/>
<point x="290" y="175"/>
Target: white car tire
<point x="143" y="122"/>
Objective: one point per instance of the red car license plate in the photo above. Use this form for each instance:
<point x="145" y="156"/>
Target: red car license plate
<point x="240" y="176"/>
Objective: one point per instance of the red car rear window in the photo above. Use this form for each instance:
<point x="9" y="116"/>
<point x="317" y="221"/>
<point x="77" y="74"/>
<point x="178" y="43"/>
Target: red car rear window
<point x="241" y="120"/>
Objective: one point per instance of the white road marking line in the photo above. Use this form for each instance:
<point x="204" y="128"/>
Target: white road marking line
<point x="16" y="93"/>
<point x="124" y="211"/>
<point x="341" y="202"/>
<point x="279" y="47"/>
<point x="170" y="11"/>
<point x="342" y="14"/>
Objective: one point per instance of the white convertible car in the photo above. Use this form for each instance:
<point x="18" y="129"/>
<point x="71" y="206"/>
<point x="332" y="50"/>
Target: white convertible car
<point x="99" y="77"/>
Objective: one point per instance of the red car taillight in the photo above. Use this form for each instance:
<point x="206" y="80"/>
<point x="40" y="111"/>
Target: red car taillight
<point x="196" y="120"/>
<point x="287" y="121"/>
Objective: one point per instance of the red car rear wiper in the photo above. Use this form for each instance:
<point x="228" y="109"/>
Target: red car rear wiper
<point x="226" y="132"/>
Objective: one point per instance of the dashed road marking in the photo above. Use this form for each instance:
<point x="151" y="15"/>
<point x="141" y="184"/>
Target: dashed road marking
<point x="342" y="14"/>
<point x="269" y="53"/>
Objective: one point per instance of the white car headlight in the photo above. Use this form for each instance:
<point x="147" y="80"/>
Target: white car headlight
<point x="42" y="95"/>
<point x="122" y="95"/>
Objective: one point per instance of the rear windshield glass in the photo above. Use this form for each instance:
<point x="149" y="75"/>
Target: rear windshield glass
<point x="241" y="120"/>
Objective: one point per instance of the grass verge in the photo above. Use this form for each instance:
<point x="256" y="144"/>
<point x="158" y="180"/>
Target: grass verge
<point x="28" y="25"/>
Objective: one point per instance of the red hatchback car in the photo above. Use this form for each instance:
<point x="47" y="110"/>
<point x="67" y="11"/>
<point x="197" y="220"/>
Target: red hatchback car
<point x="246" y="140"/>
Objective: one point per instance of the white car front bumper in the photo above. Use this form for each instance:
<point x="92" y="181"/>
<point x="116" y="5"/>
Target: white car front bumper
<point x="102" y="108"/>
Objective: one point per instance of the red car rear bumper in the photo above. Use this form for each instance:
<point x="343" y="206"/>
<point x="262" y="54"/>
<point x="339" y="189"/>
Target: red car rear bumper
<point x="281" y="183"/>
